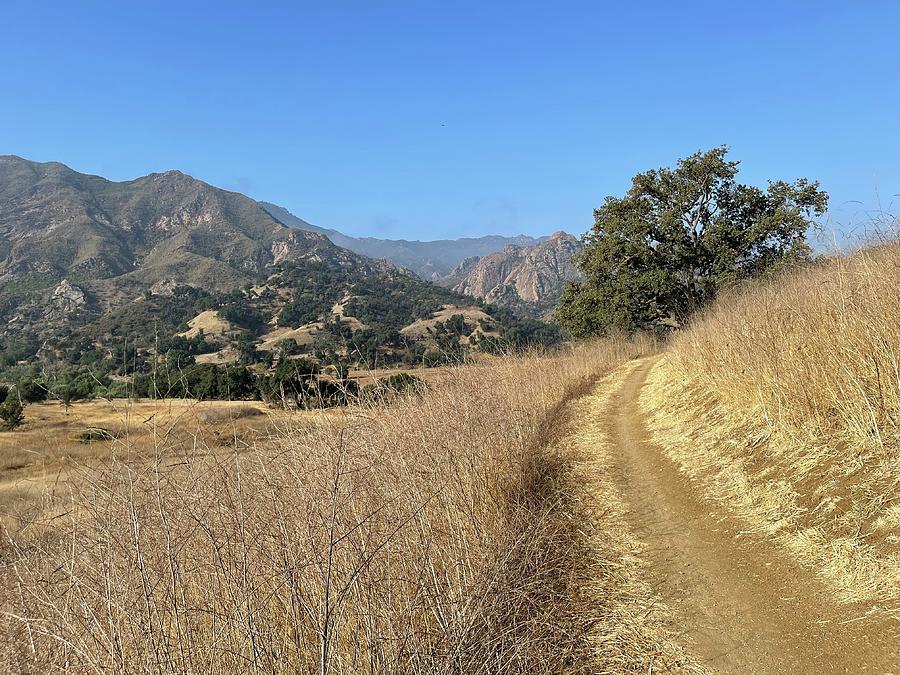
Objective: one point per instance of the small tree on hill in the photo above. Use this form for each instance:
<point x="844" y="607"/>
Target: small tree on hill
<point x="12" y="413"/>
<point x="678" y="236"/>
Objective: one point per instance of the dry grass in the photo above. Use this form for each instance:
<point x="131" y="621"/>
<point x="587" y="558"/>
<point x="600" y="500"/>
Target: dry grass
<point x="210" y="324"/>
<point x="443" y="533"/>
<point x="48" y="439"/>
<point x="422" y="326"/>
<point x="785" y="400"/>
<point x="304" y="335"/>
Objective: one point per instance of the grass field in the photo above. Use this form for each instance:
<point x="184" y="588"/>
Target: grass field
<point x="51" y="434"/>
<point x="55" y="444"/>
<point x="441" y="533"/>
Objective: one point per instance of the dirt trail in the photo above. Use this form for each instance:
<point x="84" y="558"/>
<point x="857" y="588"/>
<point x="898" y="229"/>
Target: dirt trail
<point x="743" y="604"/>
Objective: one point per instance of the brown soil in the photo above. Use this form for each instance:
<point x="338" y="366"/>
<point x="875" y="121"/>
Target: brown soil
<point x="744" y="604"/>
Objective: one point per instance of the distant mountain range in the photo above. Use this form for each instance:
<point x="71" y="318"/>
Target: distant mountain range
<point x="528" y="278"/>
<point x="430" y="260"/>
<point x="524" y="273"/>
<point x="88" y="265"/>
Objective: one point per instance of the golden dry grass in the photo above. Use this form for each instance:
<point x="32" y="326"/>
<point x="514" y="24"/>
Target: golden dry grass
<point x="210" y="324"/>
<point x="450" y="532"/>
<point x="422" y="326"/>
<point x="49" y="436"/>
<point x="304" y="335"/>
<point x="784" y="400"/>
<point x="40" y="456"/>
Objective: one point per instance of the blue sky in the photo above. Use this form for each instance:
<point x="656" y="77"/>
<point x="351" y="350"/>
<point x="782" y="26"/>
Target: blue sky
<point x="433" y="119"/>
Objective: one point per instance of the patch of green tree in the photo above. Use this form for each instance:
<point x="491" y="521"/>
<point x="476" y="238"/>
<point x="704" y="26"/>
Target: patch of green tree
<point x="394" y="299"/>
<point x="516" y="334"/>
<point x="315" y="288"/>
<point x="12" y="413"/>
<point x="678" y="237"/>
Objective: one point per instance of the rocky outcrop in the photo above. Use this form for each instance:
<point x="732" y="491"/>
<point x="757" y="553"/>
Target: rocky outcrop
<point x="66" y="300"/>
<point x="520" y="276"/>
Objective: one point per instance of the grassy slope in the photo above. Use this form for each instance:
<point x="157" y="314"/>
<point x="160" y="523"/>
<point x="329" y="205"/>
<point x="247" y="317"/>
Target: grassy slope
<point x="784" y="401"/>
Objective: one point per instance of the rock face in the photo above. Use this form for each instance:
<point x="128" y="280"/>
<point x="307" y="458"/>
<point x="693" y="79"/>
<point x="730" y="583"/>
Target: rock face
<point x="66" y="299"/>
<point x="524" y="277"/>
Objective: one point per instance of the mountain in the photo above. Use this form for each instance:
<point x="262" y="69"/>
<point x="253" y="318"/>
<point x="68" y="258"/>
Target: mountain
<point x="429" y="259"/>
<point x="119" y="238"/>
<point x="90" y="268"/>
<point x="528" y="278"/>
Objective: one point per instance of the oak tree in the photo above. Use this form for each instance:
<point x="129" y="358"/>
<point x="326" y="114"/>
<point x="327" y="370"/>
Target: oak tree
<point x="680" y="235"/>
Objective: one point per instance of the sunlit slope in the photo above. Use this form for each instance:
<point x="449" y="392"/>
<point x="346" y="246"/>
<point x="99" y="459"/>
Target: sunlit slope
<point x="784" y="400"/>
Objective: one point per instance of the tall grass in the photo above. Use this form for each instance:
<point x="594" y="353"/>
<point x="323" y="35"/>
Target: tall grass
<point x="425" y="536"/>
<point x="785" y="398"/>
<point x="818" y="352"/>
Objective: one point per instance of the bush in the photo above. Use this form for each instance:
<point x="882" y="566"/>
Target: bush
<point x="116" y="389"/>
<point x="11" y="413"/>
<point x="92" y="434"/>
<point x="31" y="391"/>
<point x="402" y="382"/>
<point x="389" y="387"/>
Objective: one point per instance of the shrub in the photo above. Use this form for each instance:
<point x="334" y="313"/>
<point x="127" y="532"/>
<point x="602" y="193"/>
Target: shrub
<point x="389" y="387"/>
<point x="31" y="391"/>
<point x="11" y="413"/>
<point x="92" y="434"/>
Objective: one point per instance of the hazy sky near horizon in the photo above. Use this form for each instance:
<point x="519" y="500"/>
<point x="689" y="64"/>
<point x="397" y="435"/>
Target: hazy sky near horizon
<point x="423" y="120"/>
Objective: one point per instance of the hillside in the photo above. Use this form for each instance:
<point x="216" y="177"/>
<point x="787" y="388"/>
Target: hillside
<point x="88" y="265"/>
<point x="528" y="278"/>
<point x="57" y="223"/>
<point x="428" y="259"/>
<point x="794" y="414"/>
<point x="115" y="240"/>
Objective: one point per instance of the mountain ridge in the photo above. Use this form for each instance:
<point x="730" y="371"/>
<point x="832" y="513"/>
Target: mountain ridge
<point x="89" y="266"/>
<point x="430" y="260"/>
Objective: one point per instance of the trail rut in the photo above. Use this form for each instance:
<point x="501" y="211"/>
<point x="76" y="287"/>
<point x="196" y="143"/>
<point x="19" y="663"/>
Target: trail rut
<point x="743" y="605"/>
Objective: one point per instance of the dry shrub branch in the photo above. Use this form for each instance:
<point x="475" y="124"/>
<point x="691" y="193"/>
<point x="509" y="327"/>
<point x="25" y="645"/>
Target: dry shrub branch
<point x="422" y="536"/>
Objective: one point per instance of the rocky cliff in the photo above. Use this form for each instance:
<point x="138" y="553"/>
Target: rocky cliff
<point x="524" y="277"/>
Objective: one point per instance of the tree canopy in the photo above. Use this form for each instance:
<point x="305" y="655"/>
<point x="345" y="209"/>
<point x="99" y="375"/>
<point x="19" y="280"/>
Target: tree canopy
<point x="677" y="237"/>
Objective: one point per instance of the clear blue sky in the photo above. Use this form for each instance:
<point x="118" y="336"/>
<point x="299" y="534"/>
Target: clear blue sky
<point x="429" y="119"/>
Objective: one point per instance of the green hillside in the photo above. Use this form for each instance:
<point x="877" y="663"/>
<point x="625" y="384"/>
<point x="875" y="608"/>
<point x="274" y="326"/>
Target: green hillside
<point x="114" y="276"/>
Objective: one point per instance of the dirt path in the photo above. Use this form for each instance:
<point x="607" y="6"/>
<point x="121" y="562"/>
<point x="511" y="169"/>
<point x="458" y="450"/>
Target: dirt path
<point x="744" y="606"/>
